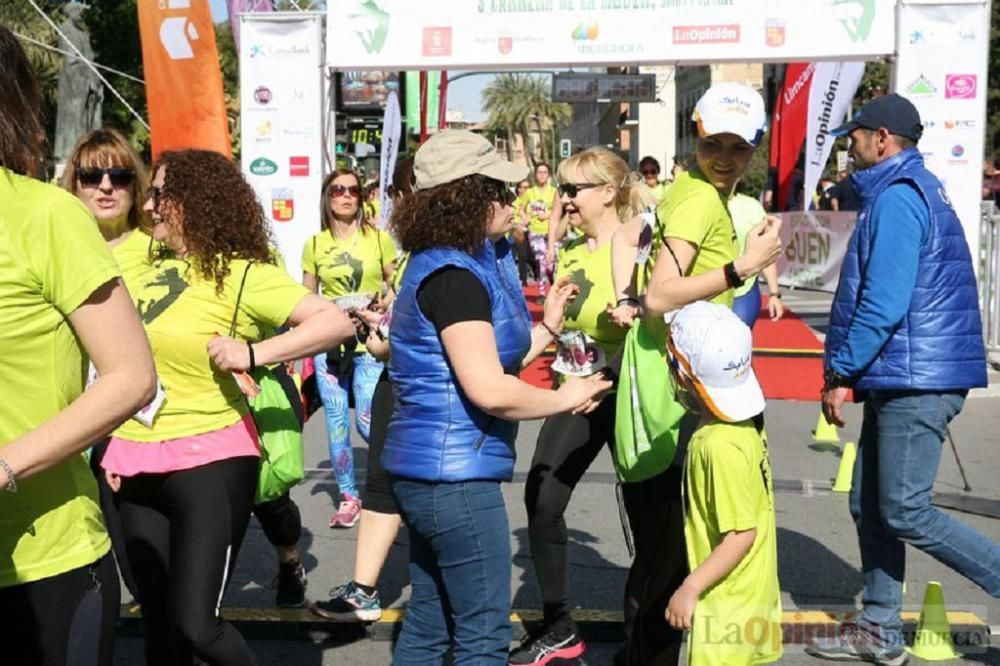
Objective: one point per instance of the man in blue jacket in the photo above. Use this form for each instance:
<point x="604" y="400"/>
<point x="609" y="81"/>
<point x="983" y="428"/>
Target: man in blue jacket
<point x="906" y="335"/>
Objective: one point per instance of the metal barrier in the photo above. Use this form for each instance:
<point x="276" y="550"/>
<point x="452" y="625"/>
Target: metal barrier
<point x="989" y="278"/>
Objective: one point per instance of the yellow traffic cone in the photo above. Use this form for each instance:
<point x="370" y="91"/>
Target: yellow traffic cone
<point x="842" y="484"/>
<point x="933" y="640"/>
<point x="825" y="431"/>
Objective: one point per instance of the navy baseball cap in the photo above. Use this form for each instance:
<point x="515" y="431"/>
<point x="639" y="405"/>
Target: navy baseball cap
<point x="893" y="112"/>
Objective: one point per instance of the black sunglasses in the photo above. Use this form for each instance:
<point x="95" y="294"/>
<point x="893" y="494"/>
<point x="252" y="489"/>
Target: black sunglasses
<point x="339" y="190"/>
<point x="650" y="172"/>
<point x="503" y="194"/>
<point x="572" y="189"/>
<point x="155" y="193"/>
<point x="93" y="177"/>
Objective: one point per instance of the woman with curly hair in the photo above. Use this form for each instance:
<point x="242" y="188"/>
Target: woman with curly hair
<point x="187" y="482"/>
<point x="107" y="175"/>
<point x="459" y="335"/>
<point x="350" y="262"/>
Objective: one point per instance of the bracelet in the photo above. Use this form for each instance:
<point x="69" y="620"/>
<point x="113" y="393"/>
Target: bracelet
<point x="253" y="361"/>
<point x="732" y="276"/>
<point x="549" y="329"/>
<point x="628" y="300"/>
<point x="11" y="479"/>
<point x="776" y="294"/>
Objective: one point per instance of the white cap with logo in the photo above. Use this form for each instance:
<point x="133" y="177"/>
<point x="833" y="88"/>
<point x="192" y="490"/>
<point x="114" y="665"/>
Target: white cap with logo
<point x="712" y="347"/>
<point x="732" y="108"/>
<point x="454" y="154"/>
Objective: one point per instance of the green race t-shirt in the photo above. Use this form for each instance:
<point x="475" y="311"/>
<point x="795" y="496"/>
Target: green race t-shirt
<point x="746" y="213"/>
<point x="693" y="210"/>
<point x="52" y="258"/>
<point x="727" y="487"/>
<point x="539" y="202"/>
<point x="345" y="266"/>
<point x="182" y="312"/>
<point x="591" y="272"/>
<point x="134" y="255"/>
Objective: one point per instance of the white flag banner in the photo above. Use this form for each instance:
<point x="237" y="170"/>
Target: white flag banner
<point x="942" y="69"/>
<point x="281" y="121"/>
<point x="833" y="88"/>
<point x="391" y="130"/>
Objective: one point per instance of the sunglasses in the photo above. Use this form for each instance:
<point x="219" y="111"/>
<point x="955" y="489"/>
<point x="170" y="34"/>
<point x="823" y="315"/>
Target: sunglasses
<point x="338" y="190"/>
<point x="572" y="189"/>
<point x="650" y="172"/>
<point x="155" y="193"/>
<point x="503" y="195"/>
<point x="93" y="177"/>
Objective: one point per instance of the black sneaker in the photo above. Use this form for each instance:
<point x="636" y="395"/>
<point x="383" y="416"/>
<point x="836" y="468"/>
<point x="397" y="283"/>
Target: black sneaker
<point x="555" y="643"/>
<point x="349" y="603"/>
<point x="291" y="584"/>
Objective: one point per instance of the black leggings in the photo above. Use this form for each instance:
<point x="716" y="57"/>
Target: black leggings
<point x="281" y="521"/>
<point x="377" y="496"/>
<point x="66" y="619"/>
<point x="656" y="518"/>
<point x="567" y="445"/>
<point x="183" y="532"/>
<point x="109" y="509"/>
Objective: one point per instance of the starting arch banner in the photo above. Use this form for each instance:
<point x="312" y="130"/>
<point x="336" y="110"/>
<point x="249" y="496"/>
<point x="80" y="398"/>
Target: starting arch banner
<point x="470" y="34"/>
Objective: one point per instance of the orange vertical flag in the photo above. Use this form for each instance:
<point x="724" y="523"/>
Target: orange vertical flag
<point x="187" y="108"/>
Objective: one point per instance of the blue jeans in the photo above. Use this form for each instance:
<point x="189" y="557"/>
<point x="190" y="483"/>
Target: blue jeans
<point x="333" y="393"/>
<point x="747" y="306"/>
<point x="898" y="455"/>
<point x="459" y="572"/>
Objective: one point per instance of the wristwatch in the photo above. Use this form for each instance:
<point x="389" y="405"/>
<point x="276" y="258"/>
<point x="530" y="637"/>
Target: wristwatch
<point x="832" y="380"/>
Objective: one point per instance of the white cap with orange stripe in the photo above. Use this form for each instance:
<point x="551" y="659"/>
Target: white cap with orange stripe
<point x="712" y="347"/>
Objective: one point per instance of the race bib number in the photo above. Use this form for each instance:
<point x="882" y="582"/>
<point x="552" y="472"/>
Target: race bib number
<point x="578" y="355"/>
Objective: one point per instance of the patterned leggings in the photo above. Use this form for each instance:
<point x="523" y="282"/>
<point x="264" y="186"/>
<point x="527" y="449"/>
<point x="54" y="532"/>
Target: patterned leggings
<point x="334" y="394"/>
<point x="539" y="244"/>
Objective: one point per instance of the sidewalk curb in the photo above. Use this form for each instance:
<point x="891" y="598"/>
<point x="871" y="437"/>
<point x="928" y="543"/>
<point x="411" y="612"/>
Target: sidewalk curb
<point x="289" y="624"/>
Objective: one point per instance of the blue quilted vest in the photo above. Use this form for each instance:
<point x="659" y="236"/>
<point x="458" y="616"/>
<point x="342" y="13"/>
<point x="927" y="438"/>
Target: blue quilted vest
<point x="938" y="345"/>
<point x="436" y="433"/>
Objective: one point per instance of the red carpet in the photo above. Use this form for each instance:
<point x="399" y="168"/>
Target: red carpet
<point x="788" y="357"/>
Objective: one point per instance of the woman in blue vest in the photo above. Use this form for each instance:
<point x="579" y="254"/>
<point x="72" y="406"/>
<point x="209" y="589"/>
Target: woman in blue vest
<point x="460" y="333"/>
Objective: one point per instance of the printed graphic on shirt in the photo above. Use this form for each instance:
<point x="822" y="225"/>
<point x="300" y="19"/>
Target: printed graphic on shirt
<point x="175" y="285"/>
<point x="580" y="279"/>
<point x="337" y="260"/>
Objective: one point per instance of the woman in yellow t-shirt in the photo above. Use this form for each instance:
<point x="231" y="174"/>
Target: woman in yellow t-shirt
<point x="519" y="233"/>
<point x="61" y="301"/>
<point x="596" y="196"/>
<point x="349" y="262"/>
<point x="187" y="481"/>
<point x="541" y="203"/>
<point x="107" y="175"/>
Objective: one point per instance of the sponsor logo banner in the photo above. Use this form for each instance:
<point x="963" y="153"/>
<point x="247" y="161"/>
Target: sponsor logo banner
<point x="707" y="34"/>
<point x="282" y="204"/>
<point x="960" y="86"/>
<point x="263" y="167"/>
<point x="298" y="166"/>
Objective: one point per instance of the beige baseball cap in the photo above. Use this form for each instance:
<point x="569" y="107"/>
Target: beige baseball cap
<point x="454" y="154"/>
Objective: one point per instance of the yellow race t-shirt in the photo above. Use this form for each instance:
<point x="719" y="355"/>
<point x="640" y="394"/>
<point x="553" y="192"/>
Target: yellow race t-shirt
<point x="746" y="213"/>
<point x="182" y="312"/>
<point x="539" y="202"/>
<point x="135" y="255"/>
<point x="728" y="488"/>
<point x="345" y="266"/>
<point x="52" y="258"/>
<point x="591" y="272"/>
<point x="694" y="211"/>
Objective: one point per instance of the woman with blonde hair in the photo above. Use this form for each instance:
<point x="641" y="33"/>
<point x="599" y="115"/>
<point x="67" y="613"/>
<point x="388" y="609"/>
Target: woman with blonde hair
<point x="350" y="262"/>
<point x="597" y="195"/>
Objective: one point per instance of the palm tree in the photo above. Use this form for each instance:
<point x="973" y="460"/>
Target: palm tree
<point x="513" y="99"/>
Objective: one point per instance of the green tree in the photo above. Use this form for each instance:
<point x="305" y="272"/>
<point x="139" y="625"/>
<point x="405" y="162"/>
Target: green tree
<point x="516" y="102"/>
<point x="993" y="94"/>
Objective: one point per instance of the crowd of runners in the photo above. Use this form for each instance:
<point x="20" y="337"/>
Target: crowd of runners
<point x="148" y="463"/>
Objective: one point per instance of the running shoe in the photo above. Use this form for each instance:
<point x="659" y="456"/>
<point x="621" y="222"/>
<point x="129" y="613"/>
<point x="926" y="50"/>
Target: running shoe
<point x="555" y="643"/>
<point x="349" y="603"/>
<point x="854" y="643"/>
<point x="347" y="513"/>
<point x="291" y="583"/>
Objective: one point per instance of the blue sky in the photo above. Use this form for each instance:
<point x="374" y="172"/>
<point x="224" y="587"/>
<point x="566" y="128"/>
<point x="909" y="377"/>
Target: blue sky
<point x="464" y="95"/>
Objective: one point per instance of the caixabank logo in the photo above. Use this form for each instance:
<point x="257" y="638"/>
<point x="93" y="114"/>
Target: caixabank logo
<point x="857" y="17"/>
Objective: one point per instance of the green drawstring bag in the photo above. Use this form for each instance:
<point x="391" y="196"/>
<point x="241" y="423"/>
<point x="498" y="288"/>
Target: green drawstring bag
<point x="647" y="418"/>
<point x="280" y="429"/>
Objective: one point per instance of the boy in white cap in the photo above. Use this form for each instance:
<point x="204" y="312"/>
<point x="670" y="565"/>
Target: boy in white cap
<point x="730" y="601"/>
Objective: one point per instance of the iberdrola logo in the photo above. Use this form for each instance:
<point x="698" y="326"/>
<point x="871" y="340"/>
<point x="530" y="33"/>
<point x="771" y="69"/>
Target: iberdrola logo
<point x="371" y="24"/>
<point x="585" y="32"/>
<point x="856" y="16"/>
